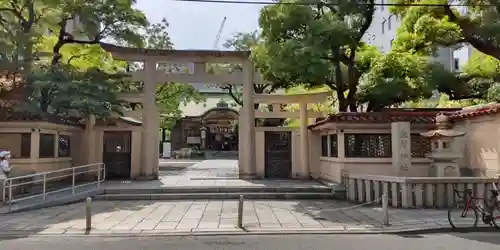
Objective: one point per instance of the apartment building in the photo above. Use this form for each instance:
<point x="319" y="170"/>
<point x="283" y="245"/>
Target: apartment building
<point x="383" y="31"/>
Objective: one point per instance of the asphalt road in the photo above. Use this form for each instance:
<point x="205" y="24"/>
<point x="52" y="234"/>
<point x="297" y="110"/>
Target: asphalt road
<point x="483" y="241"/>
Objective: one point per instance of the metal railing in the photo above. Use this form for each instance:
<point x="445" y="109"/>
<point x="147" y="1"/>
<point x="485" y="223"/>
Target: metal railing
<point x="13" y="184"/>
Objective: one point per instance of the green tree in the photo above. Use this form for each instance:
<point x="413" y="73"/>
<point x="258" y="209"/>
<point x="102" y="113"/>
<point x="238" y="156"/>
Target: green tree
<point x="478" y="82"/>
<point x="315" y="45"/>
<point x="242" y="41"/>
<point x="396" y="77"/>
<point x="157" y="37"/>
<point x="425" y="28"/>
<point x="480" y="78"/>
<point x="92" y="21"/>
<point x="320" y="45"/>
<point x="443" y="102"/>
<point x="76" y="92"/>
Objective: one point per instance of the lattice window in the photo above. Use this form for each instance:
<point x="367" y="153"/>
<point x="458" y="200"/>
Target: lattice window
<point x="334" y="146"/>
<point x="324" y="145"/>
<point x="420" y="145"/>
<point x="64" y="149"/>
<point x="368" y="145"/>
<point x="47" y="143"/>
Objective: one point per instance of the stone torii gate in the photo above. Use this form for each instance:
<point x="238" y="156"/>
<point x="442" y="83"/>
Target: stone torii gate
<point x="150" y="76"/>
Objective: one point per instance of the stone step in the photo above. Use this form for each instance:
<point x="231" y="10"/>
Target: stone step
<point x="214" y="196"/>
<point x="231" y="190"/>
<point x="58" y="199"/>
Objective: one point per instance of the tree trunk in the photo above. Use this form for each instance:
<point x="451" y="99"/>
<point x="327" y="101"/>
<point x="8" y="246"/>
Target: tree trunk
<point x="353" y="107"/>
<point x="469" y="33"/>
<point x="352" y="80"/>
<point x="25" y="44"/>
<point x="342" y="103"/>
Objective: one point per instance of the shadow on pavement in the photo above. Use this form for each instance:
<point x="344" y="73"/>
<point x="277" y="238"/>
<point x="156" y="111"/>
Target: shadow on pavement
<point x="341" y="213"/>
<point x="480" y="237"/>
<point x="61" y="218"/>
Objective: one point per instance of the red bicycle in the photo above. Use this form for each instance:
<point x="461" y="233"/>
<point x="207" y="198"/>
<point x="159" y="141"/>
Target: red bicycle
<point x="469" y="210"/>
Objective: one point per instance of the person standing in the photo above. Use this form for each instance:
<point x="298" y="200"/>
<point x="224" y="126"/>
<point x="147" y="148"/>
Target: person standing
<point x="4" y="164"/>
<point x="4" y="172"/>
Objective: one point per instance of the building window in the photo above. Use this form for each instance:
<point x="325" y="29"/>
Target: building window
<point x="389" y="23"/>
<point x="420" y="146"/>
<point x="368" y="145"/>
<point x="47" y="142"/>
<point x="18" y="144"/>
<point x="382" y="2"/>
<point x="64" y="149"/>
<point x="383" y="26"/>
<point x="25" y="145"/>
<point x="392" y="41"/>
<point x="334" y="147"/>
<point x="324" y="145"/>
<point x="456" y="63"/>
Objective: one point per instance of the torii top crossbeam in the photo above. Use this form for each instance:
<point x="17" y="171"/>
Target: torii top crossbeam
<point x="140" y="54"/>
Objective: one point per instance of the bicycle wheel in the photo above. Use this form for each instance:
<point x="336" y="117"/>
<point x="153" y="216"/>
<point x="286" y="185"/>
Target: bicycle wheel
<point x="494" y="218"/>
<point x="460" y="217"/>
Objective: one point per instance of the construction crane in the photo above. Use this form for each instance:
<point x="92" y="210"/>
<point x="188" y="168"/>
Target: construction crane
<point x="217" y="38"/>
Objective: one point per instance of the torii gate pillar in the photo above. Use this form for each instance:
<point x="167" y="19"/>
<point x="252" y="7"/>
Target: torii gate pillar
<point x="246" y="137"/>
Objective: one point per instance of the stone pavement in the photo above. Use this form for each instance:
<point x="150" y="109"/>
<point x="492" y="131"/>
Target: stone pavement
<point x="207" y="173"/>
<point x="217" y="217"/>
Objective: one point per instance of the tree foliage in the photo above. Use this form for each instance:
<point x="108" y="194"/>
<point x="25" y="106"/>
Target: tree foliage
<point x="75" y="92"/>
<point x="424" y="28"/>
<point x="78" y="74"/>
<point x="476" y="23"/>
<point x="318" y="45"/>
<point x="242" y="41"/>
<point x="77" y="22"/>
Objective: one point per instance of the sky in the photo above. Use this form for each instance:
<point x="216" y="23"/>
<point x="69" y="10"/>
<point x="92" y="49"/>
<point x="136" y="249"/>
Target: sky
<point x="195" y="25"/>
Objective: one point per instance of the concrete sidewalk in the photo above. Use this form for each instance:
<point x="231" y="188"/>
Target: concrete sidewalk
<point x="218" y="217"/>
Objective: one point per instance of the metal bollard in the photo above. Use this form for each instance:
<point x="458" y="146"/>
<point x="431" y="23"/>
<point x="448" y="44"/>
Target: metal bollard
<point x="88" y="214"/>
<point x="385" y="209"/>
<point x="240" y="212"/>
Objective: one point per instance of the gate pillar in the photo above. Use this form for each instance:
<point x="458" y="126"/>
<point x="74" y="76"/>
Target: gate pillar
<point x="150" y="124"/>
<point x="247" y="168"/>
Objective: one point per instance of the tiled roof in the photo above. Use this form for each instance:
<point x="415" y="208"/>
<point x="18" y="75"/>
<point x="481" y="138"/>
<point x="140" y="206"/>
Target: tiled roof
<point x="416" y="117"/>
<point x="474" y="112"/>
<point x="422" y="117"/>
<point x="187" y="53"/>
<point x="8" y="115"/>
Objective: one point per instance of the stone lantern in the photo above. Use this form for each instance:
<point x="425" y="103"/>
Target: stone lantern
<point x="443" y="154"/>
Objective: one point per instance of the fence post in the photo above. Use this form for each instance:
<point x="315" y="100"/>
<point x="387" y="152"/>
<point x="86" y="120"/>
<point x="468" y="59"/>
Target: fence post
<point x="99" y="175"/>
<point x="88" y="214"/>
<point x="385" y="209"/>
<point x="73" y="182"/>
<point x="240" y="212"/>
<point x="10" y="195"/>
<point x="44" y="185"/>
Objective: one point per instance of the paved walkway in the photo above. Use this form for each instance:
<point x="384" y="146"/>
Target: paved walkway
<point x="207" y="173"/>
<point x="170" y="217"/>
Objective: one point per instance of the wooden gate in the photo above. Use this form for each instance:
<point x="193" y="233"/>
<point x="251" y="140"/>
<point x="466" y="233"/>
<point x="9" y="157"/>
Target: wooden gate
<point x="278" y="154"/>
<point x="117" y="154"/>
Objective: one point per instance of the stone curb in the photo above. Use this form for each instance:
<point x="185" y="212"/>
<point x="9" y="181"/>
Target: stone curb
<point x="235" y="231"/>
